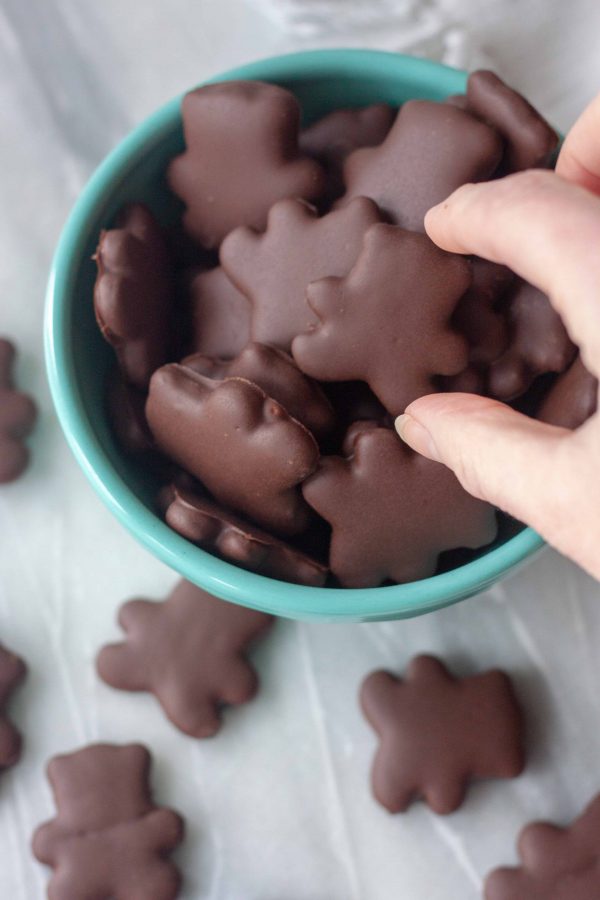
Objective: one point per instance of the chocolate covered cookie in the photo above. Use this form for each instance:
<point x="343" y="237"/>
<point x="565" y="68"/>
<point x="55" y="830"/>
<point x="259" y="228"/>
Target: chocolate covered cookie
<point x="190" y="651"/>
<point x="217" y="529"/>
<point x="276" y="373"/>
<point x="12" y="673"/>
<point x="241" y="157"/>
<point x="391" y="512"/>
<point x="108" y="839"/>
<point x="438" y="733"/>
<point x="220" y="315"/>
<point x="572" y="399"/>
<point x="556" y="863"/>
<point x="431" y="149"/>
<point x="388" y="322"/>
<point x="17" y="418"/>
<point x="242" y="445"/>
<point x="134" y="293"/>
<point x="274" y="269"/>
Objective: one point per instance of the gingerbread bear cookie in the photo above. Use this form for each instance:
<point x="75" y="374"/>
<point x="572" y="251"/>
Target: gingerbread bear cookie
<point x="12" y="673"/>
<point x="438" y="733"/>
<point x="190" y="651"/>
<point x="241" y="157"/>
<point x="276" y="373"/>
<point x="220" y="315"/>
<point x="572" y="399"/>
<point x="431" y="149"/>
<point x="242" y="445"/>
<point x="391" y="512"/>
<point x="389" y="321"/>
<point x="17" y="418"/>
<point x="217" y="529"/>
<point x="108" y="839"/>
<point x="134" y="293"/>
<point x="556" y="863"/>
<point x="274" y="269"/>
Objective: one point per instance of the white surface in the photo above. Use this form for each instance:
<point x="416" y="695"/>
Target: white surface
<point x="277" y="806"/>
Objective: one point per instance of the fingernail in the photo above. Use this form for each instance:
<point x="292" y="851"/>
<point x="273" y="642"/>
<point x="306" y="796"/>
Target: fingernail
<point x="417" y="437"/>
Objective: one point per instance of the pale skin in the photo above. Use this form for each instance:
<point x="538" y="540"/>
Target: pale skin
<point x="546" y="227"/>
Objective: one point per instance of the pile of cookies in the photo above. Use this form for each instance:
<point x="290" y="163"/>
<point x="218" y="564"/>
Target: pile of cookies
<point x="265" y="346"/>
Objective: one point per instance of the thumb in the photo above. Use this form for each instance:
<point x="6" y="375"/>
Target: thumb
<point x="497" y="454"/>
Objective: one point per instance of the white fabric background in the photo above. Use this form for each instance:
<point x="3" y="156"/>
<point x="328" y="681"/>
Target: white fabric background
<point x="277" y="806"/>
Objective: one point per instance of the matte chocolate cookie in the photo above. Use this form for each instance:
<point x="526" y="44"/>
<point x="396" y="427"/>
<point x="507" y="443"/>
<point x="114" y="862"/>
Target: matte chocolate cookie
<point x="108" y="839"/>
<point x="392" y="512"/>
<point x="134" y="293"/>
<point x="241" y="157"/>
<point x="572" y="399"/>
<point x="556" y="863"/>
<point x="242" y="445"/>
<point x="274" y="269"/>
<point x="432" y="149"/>
<point x="538" y="343"/>
<point x="388" y="322"/>
<point x="125" y="405"/>
<point x="12" y="673"/>
<point x="438" y="733"/>
<point x="17" y="418"/>
<point x="190" y="651"/>
<point x="220" y="315"/>
<point x="276" y="373"/>
<point x="333" y="137"/>
<point x="217" y="529"/>
<point x="530" y="141"/>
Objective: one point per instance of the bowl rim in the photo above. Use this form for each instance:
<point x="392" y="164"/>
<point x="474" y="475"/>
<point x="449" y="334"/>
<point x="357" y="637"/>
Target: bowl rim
<point x="214" y="574"/>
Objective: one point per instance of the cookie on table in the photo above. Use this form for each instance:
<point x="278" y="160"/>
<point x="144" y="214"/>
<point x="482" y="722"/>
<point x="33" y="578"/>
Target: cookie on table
<point x="190" y="651"/>
<point x="241" y="157"/>
<point x="274" y="269"/>
<point x="240" y="444"/>
<point x="218" y="530"/>
<point x="134" y="293"/>
<point x="438" y="733"/>
<point x="12" y="673"/>
<point x="572" y="399"/>
<point x="556" y="863"/>
<point x="392" y="512"/>
<point x="17" y="418"/>
<point x="108" y="839"/>
<point x="388" y="322"/>
<point x="431" y="149"/>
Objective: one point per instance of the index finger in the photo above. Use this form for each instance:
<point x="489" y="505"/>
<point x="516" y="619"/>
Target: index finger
<point x="544" y="228"/>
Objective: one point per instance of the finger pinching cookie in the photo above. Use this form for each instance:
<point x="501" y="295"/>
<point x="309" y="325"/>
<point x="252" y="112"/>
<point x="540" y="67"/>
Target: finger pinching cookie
<point x="108" y="839"/>
<point x="190" y="651"/>
<point x="388" y="322"/>
<point x="437" y="733"/>
<point x="392" y="513"/>
<point x="17" y="418"/>
<point x="241" y="157"/>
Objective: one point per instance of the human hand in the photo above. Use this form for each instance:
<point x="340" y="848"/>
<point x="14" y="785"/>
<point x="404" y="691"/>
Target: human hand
<point x="546" y="227"/>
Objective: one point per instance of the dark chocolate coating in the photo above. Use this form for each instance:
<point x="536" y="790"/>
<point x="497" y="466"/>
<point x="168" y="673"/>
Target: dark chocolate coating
<point x="530" y="141"/>
<point x="217" y="529"/>
<point x="108" y="838"/>
<point x="572" y="399"/>
<point x="276" y="373"/>
<point x="274" y="269"/>
<point x="392" y="513"/>
<point x="242" y="445"/>
<point x="241" y="157"/>
<point x="388" y="322"/>
<point x="17" y="418"/>
<point x="437" y="733"/>
<point x="333" y="137"/>
<point x="556" y="863"/>
<point x="538" y="343"/>
<point x="220" y="315"/>
<point x="431" y="149"/>
<point x="125" y="406"/>
<point x="12" y="673"/>
<point x="190" y="652"/>
<point x="134" y="293"/>
<point x="477" y="315"/>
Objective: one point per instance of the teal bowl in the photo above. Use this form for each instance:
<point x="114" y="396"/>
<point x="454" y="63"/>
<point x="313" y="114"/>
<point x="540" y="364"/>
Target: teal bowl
<point x="78" y="359"/>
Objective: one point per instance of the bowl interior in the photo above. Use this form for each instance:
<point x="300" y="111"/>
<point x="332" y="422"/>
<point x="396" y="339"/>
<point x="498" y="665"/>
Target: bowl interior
<point x="79" y="359"/>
